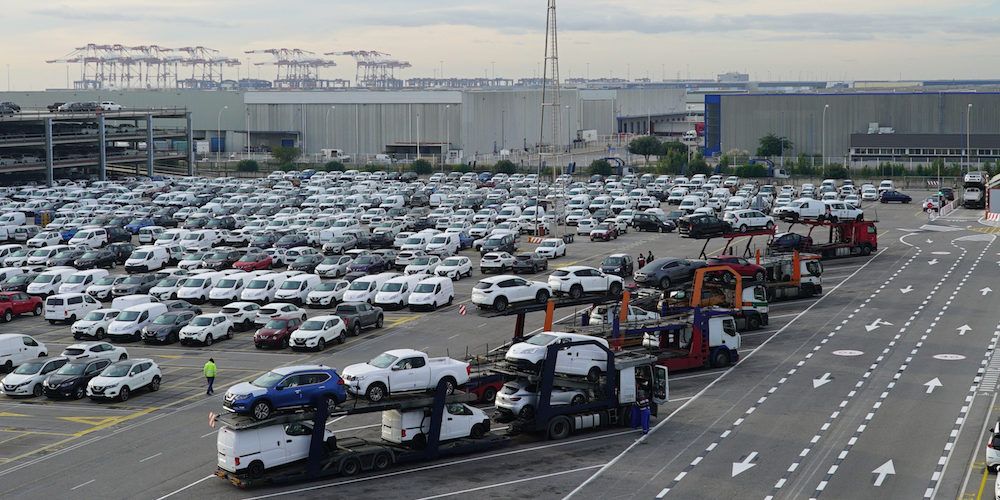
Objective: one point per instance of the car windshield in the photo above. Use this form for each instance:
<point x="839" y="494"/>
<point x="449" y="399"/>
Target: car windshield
<point x="94" y="316"/>
<point x="346" y="309"/>
<point x="422" y="261"/>
<point x="414" y="241"/>
<point x="614" y="261"/>
<point x="550" y="243"/>
<point x="29" y="368"/>
<point x="226" y="283"/>
<point x="128" y="316"/>
<point x="542" y="339"/>
<point x="276" y="324"/>
<point x="116" y="370"/>
<point x="796" y="204"/>
<point x="140" y="255"/>
<point x="359" y="285"/>
<point x="483" y="285"/>
<point x="71" y="369"/>
<point x="326" y="287"/>
<point x="312" y="325"/>
<point x="268" y="380"/>
<point x="107" y="280"/>
<point x="331" y="260"/>
<point x="424" y="288"/>
<point x="43" y="278"/>
<point x="364" y="260"/>
<point x="290" y="285"/>
<point x="452" y="262"/>
<point x="76" y="278"/>
<point x="257" y="284"/>
<point x="166" y="319"/>
<point x="90" y="255"/>
<point x="383" y="360"/>
<point x="392" y="287"/>
<point x="219" y="255"/>
<point x="193" y="256"/>
<point x="202" y="321"/>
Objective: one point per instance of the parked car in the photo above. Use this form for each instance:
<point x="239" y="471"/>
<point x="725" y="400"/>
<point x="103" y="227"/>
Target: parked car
<point x="359" y="315"/>
<point x="16" y="348"/>
<point x="119" y="380"/>
<point x="71" y="379"/>
<point x="742" y="266"/>
<point x="702" y="225"/>
<point x="652" y="222"/>
<point x="166" y="328"/>
<point x="519" y="398"/>
<point x="29" y="378"/>
<point x="327" y="293"/>
<point x="17" y="303"/>
<point x="95" y="324"/>
<point x="551" y="248"/>
<point x="317" y="332"/>
<point x="276" y="332"/>
<point x="498" y="292"/>
<point x="788" y="242"/>
<point x="529" y="262"/>
<point x="604" y="232"/>
<point x="575" y="281"/>
<point x="892" y="196"/>
<point x="619" y="264"/>
<point x="265" y="394"/>
<point x="204" y="329"/>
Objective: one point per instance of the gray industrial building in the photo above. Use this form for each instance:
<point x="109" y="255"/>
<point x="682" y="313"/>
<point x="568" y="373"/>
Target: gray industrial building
<point x="363" y="123"/>
<point x="860" y="127"/>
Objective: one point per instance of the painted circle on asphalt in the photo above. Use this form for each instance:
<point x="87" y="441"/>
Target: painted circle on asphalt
<point x="847" y="352"/>
<point x="941" y="253"/>
<point x="949" y="357"/>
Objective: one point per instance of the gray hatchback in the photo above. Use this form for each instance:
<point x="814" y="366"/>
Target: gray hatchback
<point x="667" y="272"/>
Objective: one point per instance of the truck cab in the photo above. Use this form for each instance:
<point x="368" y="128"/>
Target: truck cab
<point x="723" y="339"/>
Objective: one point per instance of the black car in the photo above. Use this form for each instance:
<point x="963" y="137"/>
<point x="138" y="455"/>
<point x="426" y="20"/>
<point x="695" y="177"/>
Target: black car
<point x="369" y="264"/>
<point x="652" y="222"/>
<point x="121" y="250"/>
<point x="702" y="225"/>
<point x="529" y="262"/>
<point x="264" y="240"/>
<point x="65" y="258"/>
<point x="619" y="264"/>
<point x="292" y="241"/>
<point x="947" y="193"/>
<point x="8" y="108"/>
<point x="166" y="328"/>
<point x="306" y="263"/>
<point x="499" y="243"/>
<point x="667" y="272"/>
<point x="163" y="220"/>
<point x="223" y="258"/>
<point x="95" y="259"/>
<point x="224" y="222"/>
<point x="788" y="242"/>
<point x="118" y="235"/>
<point x="70" y="381"/>
<point x="134" y="284"/>
<point x="673" y="215"/>
<point x="195" y="222"/>
<point x="18" y="283"/>
<point x="409" y="176"/>
<point x="358" y="315"/>
<point x="389" y="254"/>
<point x="79" y="107"/>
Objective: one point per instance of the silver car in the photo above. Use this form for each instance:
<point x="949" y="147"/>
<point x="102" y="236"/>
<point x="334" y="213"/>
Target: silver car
<point x="519" y="398"/>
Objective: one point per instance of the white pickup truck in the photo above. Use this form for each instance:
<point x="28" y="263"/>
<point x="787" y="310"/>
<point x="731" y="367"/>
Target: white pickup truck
<point x="403" y="370"/>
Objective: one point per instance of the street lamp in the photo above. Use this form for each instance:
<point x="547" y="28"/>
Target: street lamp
<point x="447" y="122"/>
<point x="218" y="136"/>
<point x="968" y="137"/>
<point x="823" y="139"/>
<point x="327" y="120"/>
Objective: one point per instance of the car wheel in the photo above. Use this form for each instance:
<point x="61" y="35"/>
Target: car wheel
<point x="615" y="289"/>
<point x="418" y="442"/>
<point x="260" y="410"/>
<point x="155" y="384"/>
<point x="500" y="304"/>
<point x="52" y="321"/>
<point x="578" y="400"/>
<point x="320" y="344"/>
<point x="575" y="292"/>
<point x="478" y="431"/>
<point x="38" y="310"/>
<point x="376" y="392"/>
<point x="8" y="316"/>
<point x="594" y="374"/>
<point x="79" y="393"/>
<point x="759" y="276"/>
<point x="356" y="330"/>
<point x="229" y="334"/>
<point x="380" y="321"/>
<point x="664" y="282"/>
<point x="527" y="412"/>
<point x="123" y="394"/>
<point x="256" y="469"/>
<point x="541" y="296"/>
<point x="208" y="340"/>
<point x="36" y="391"/>
<point x="342" y="337"/>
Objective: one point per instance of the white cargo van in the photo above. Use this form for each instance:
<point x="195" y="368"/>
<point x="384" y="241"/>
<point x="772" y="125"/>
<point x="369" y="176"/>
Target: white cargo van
<point x="92" y="237"/>
<point x="147" y="258"/>
<point x="432" y="293"/>
<point x="79" y="281"/>
<point x="149" y="234"/>
<point x="296" y="288"/>
<point x="130" y="322"/>
<point x="364" y="288"/>
<point x="412" y="426"/>
<point x="396" y="291"/>
<point x="49" y="281"/>
<point x="588" y="359"/>
<point x="171" y="236"/>
<point x="69" y="307"/>
<point x="16" y="348"/>
<point x="201" y="239"/>
<point x="196" y="288"/>
<point x="8" y="222"/>
<point x="253" y="451"/>
<point x="443" y="245"/>
<point x="262" y="289"/>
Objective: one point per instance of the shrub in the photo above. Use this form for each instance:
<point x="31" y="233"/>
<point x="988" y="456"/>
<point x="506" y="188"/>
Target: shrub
<point x="334" y="166"/>
<point x="600" y="167"/>
<point x="247" y="166"/>
<point x="422" y="167"/>
<point x="504" y="167"/>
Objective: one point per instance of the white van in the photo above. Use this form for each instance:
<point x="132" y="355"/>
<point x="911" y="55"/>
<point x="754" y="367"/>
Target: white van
<point x="79" y="281"/>
<point x="49" y="281"/>
<point x="93" y="238"/>
<point x="229" y="288"/>
<point x="196" y="288"/>
<point x="9" y="272"/>
<point x="69" y="307"/>
<point x="148" y="235"/>
<point x="395" y="292"/>
<point x="127" y="301"/>
<point x="262" y="288"/>
<point x="296" y="288"/>
<point x="8" y="222"/>
<point x="147" y="258"/>
<point x="364" y="288"/>
<point x="443" y="245"/>
<point x="130" y="322"/>
<point x="393" y="201"/>
<point x="42" y="255"/>
<point x="16" y="349"/>
<point x="171" y="236"/>
<point x="414" y="242"/>
<point x="201" y="239"/>
<point x="412" y="426"/>
<point x="431" y="293"/>
<point x="588" y="359"/>
<point x="250" y="451"/>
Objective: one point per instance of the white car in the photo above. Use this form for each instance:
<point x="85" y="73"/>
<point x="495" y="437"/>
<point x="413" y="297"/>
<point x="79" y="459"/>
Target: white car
<point x="101" y="289"/>
<point x="604" y="314"/>
<point x="585" y="226"/>
<point x="316" y="333"/>
<point x="94" y="324"/>
<point x="551" y="248"/>
<point x="519" y="398"/>
<point x="748" y="220"/>
<point x="481" y="229"/>
<point x="578" y="280"/>
<point x="407" y="257"/>
<point x="27" y="379"/>
<point x="802" y="208"/>
<point x="206" y="328"/>
<point x="120" y="379"/>
<point x="44" y="239"/>
<point x="327" y="293"/>
<point x="497" y="292"/>
<point x="273" y="310"/>
<point x="95" y="350"/>
<point x="839" y="210"/>
<point x="869" y="194"/>
<point x="454" y="268"/>
<point x="423" y="265"/>
<point x="333" y="266"/>
<point x="166" y="288"/>
<point x="496" y="262"/>
<point x="241" y="314"/>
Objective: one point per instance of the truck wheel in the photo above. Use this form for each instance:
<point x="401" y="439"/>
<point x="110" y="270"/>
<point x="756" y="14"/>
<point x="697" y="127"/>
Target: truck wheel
<point x="418" y="442"/>
<point x="559" y="428"/>
<point x="382" y="461"/>
<point x="489" y="395"/>
<point x="720" y="358"/>
<point x="866" y="250"/>
<point x="753" y="323"/>
<point x="477" y="431"/>
<point x="594" y="374"/>
<point x="449" y="385"/>
<point x="255" y="469"/>
<point x="376" y="392"/>
<point x="38" y="310"/>
<point x="260" y="410"/>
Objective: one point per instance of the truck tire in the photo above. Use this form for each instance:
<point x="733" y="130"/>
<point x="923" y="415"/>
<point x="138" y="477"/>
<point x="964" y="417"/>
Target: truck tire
<point x="449" y="385"/>
<point x="376" y="392"/>
<point x="720" y="358"/>
<point x="753" y="323"/>
<point x="382" y="461"/>
<point x="866" y="250"/>
<point x="256" y="469"/>
<point x="559" y="428"/>
<point x="350" y="466"/>
<point x="489" y="395"/>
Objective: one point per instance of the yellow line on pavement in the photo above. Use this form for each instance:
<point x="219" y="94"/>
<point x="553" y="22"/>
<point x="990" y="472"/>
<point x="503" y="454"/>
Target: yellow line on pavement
<point x="982" y="484"/>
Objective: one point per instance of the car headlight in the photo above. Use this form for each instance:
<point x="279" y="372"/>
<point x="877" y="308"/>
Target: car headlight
<point x="67" y="383"/>
<point x="241" y="396"/>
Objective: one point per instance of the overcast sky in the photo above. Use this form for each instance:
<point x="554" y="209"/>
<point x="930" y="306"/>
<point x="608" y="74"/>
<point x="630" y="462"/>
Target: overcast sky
<point x="770" y="39"/>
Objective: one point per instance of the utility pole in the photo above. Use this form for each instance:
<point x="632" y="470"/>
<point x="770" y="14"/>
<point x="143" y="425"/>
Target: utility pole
<point x="823" y="139"/>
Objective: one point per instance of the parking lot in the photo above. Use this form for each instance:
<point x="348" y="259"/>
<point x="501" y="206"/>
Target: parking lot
<point x="158" y="445"/>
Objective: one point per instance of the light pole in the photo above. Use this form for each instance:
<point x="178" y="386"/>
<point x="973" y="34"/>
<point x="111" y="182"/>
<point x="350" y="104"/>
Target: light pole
<point x="327" y="120"/>
<point x="823" y="139"/>
<point x="447" y="122"/>
<point x="968" y="137"/>
<point x="569" y="135"/>
<point x="218" y="136"/>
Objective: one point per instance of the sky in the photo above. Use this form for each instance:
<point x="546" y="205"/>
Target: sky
<point x="658" y="39"/>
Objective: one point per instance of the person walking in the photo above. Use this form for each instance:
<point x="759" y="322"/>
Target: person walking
<point x="640" y="415"/>
<point x="210" y="371"/>
<point x="641" y="261"/>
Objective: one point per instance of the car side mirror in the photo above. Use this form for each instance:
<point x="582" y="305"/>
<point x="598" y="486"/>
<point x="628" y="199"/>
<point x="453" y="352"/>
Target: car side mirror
<point x="396" y="368"/>
<point x="279" y="387"/>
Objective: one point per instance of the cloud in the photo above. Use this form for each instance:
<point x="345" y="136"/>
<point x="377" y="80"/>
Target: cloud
<point x="104" y="17"/>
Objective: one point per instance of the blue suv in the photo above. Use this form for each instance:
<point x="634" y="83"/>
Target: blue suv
<point x="285" y="388"/>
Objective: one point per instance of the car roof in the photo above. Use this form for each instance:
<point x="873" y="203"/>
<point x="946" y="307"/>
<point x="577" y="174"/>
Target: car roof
<point x="288" y="370"/>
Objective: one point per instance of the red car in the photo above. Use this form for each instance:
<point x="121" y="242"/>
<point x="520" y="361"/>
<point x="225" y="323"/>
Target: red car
<point x="254" y="260"/>
<point x="604" y="232"/>
<point x="746" y="268"/>
<point x="17" y="303"/>
<point x="275" y="333"/>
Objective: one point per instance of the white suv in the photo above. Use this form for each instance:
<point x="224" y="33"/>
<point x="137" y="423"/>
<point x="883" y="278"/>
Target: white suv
<point x="206" y="328"/>
<point x="746" y="220"/>
<point x="498" y="262"/>
<point x="118" y="380"/>
<point x="316" y="332"/>
<point x="839" y="210"/>
<point x="498" y="292"/>
<point x="95" y="350"/>
<point x="94" y="324"/>
<point x="578" y="280"/>
<point x="241" y="314"/>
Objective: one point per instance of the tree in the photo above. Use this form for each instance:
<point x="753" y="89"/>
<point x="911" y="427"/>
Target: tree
<point x="675" y="146"/>
<point x="247" y="166"/>
<point x="646" y="146"/>
<point x="672" y="163"/>
<point x="752" y="170"/>
<point x="698" y="165"/>
<point x="504" y="167"/>
<point x="422" y="167"/>
<point x="772" y="145"/>
<point x="837" y="171"/>
<point x="334" y="166"/>
<point x="285" y="155"/>
<point x="600" y="167"/>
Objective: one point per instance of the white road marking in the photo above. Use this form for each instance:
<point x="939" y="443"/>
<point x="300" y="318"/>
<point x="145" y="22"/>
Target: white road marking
<point x="82" y="485"/>
<point x="150" y="458"/>
<point x="172" y="493"/>
<point x="506" y="483"/>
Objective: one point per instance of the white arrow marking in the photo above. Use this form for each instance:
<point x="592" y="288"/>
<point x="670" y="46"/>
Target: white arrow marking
<point x="933" y="383"/>
<point x="745" y="465"/>
<point x="932" y="261"/>
<point x="963" y="329"/>
<point x="908" y="289"/>
<point x="819" y="382"/>
<point x="929" y="241"/>
<point x="986" y="290"/>
<point x="882" y="471"/>
<point x="877" y="323"/>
